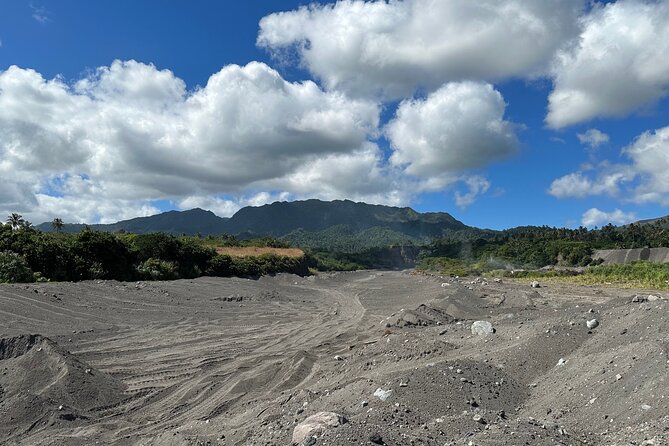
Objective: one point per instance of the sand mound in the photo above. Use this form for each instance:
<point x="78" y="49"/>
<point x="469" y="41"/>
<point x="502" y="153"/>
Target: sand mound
<point x="41" y="384"/>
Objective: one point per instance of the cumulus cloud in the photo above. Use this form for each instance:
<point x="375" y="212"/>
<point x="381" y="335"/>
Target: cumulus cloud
<point x="643" y="179"/>
<point x="607" y="181"/>
<point x="391" y="48"/>
<point x="650" y="160"/>
<point x="619" y="64"/>
<point x="460" y="126"/>
<point x="477" y="186"/>
<point x="595" y="217"/>
<point x="593" y="138"/>
<point x="130" y="133"/>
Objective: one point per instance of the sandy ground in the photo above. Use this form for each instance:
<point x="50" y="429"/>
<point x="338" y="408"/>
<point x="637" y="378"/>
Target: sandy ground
<point x="234" y="362"/>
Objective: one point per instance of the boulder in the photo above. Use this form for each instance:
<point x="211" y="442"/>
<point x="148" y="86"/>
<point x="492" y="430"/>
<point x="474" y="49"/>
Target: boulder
<point x="315" y="425"/>
<point x="482" y="328"/>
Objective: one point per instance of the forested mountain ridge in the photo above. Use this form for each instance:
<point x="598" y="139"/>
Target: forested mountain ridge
<point x="283" y="218"/>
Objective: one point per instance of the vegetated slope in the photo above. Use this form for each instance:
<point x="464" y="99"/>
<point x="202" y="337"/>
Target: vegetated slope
<point x="661" y="221"/>
<point x="343" y="238"/>
<point x="281" y="218"/>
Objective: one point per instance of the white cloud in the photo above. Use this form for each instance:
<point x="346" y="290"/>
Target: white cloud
<point x="227" y="207"/>
<point x="593" y="138"/>
<point x="458" y="127"/>
<point x="477" y="186"/>
<point x="131" y="133"/>
<point x="650" y="160"/>
<point x="40" y="13"/>
<point x="391" y="48"/>
<point x="595" y="217"/>
<point x="620" y="63"/>
<point x="578" y="185"/>
<point x="643" y="179"/>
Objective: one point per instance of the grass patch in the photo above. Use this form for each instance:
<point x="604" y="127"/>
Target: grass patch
<point x="448" y="267"/>
<point x="631" y="275"/>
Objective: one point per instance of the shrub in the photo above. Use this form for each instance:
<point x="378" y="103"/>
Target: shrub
<point x="156" y="269"/>
<point x="14" y="268"/>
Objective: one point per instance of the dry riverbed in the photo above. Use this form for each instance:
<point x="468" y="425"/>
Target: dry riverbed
<point x="379" y="357"/>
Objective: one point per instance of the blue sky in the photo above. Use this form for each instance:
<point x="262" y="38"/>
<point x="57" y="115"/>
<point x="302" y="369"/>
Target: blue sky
<point x="117" y="109"/>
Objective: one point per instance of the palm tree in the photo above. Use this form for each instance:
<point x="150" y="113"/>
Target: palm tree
<point x="15" y="221"/>
<point x="57" y="224"/>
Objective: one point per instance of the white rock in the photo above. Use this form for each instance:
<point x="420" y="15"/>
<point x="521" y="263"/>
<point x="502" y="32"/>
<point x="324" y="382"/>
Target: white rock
<point x="482" y="328"/>
<point x="592" y="323"/>
<point x="445" y="284"/>
<point x="382" y="394"/>
<point x="653" y="298"/>
<point x="562" y="361"/>
<point x="535" y="284"/>
<point x="338" y="358"/>
<point x="315" y="425"/>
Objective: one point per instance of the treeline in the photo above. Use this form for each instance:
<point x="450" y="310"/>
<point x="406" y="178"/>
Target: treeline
<point x="27" y="255"/>
<point x="539" y="246"/>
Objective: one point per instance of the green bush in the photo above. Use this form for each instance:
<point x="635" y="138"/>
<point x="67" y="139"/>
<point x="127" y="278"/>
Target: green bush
<point x="220" y="266"/>
<point x="156" y="269"/>
<point x="14" y="268"/>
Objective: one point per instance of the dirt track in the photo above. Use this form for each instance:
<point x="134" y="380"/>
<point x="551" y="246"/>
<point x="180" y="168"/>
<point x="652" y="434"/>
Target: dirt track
<point x="236" y="361"/>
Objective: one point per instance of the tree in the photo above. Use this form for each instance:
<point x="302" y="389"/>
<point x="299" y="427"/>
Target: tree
<point x="15" y="221"/>
<point x="57" y="224"/>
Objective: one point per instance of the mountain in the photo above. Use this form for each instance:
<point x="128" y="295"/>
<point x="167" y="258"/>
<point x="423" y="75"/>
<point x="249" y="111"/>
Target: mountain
<point x="172" y="222"/>
<point x="306" y="218"/>
<point x="661" y="221"/>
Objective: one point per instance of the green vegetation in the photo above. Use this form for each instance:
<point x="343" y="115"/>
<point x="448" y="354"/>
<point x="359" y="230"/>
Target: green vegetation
<point x="14" y="268"/>
<point x="27" y="255"/>
<point x="343" y="239"/>
<point x="636" y="274"/>
<point x="520" y="252"/>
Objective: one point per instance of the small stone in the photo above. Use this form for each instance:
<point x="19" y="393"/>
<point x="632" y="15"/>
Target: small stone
<point x="619" y="377"/>
<point x="646" y="407"/>
<point x="561" y="361"/>
<point x="338" y="358"/>
<point x="376" y="438"/>
<point x="382" y="394"/>
<point x="653" y="298"/>
<point x="404" y="384"/>
<point x="592" y="323"/>
<point x="535" y="284"/>
<point x="478" y="418"/>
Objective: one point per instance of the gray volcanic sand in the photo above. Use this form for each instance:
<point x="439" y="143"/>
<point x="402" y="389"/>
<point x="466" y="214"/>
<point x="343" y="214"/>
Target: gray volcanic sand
<point x="236" y="361"/>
